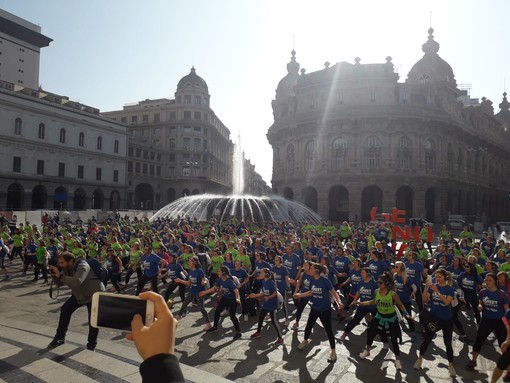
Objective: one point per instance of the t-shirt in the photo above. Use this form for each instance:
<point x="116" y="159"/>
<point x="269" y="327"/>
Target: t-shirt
<point x="112" y="264"/>
<point x="366" y="290"/>
<point x="439" y="309"/>
<point x="245" y="261"/>
<point x="40" y="255"/>
<point x="456" y="272"/>
<point x="384" y="303"/>
<point x="175" y="270"/>
<point x="355" y="276"/>
<point x="183" y="259"/>
<point x="377" y="268"/>
<point x="492" y="303"/>
<point x="403" y="290"/>
<point x="195" y="277"/>
<point x="306" y="282"/>
<point x="150" y="265"/>
<point x="78" y="252"/>
<point x="469" y="283"/>
<point x="227" y="286"/>
<point x="292" y="263"/>
<point x="341" y="264"/>
<point x="414" y="272"/>
<point x="320" y="297"/>
<point x="216" y="262"/>
<point x="241" y="274"/>
<point x="280" y="274"/>
<point x="268" y="288"/>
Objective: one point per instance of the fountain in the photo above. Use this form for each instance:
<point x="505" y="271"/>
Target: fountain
<point x="239" y="205"/>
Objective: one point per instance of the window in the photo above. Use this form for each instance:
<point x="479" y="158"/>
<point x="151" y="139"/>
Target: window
<point x="156" y="142"/>
<point x="187" y="115"/>
<point x="40" y="167"/>
<point x="146" y="154"/>
<point x="404" y="153"/>
<point x="131" y="152"/>
<point x="186" y="142"/>
<point x="157" y="132"/>
<point x="187" y="130"/>
<point x="185" y="171"/>
<point x="173" y="116"/>
<point x="116" y="146"/>
<point x="172" y="131"/>
<point x="153" y="155"/>
<point x="309" y="155"/>
<point x="134" y="119"/>
<point x="198" y="100"/>
<point x="196" y="172"/>
<point x="197" y="129"/>
<point x="138" y="152"/>
<point x="61" y="169"/>
<point x="17" y="126"/>
<point x="99" y="143"/>
<point x="145" y="118"/>
<point x="339" y="153"/>
<point x="123" y="119"/>
<point x="158" y="171"/>
<point x="158" y="157"/>
<point x="430" y="156"/>
<point x="171" y="171"/>
<point x="290" y="159"/>
<point x="151" y="170"/>
<point x="205" y="144"/>
<point x="98" y="174"/>
<point x="187" y="99"/>
<point x="80" y="171"/>
<point x="42" y="131"/>
<point x="171" y="143"/>
<point x="62" y="136"/>
<point x="171" y="157"/>
<point x="16" y="164"/>
<point x="156" y="117"/>
<point x="197" y="144"/>
<point x="372" y="153"/>
<point x="81" y="139"/>
<point x="197" y="115"/>
<point x="425" y="79"/>
<point x="137" y="167"/>
<point x="178" y="99"/>
<point x="130" y="166"/>
<point x="115" y="176"/>
<point x="144" y="167"/>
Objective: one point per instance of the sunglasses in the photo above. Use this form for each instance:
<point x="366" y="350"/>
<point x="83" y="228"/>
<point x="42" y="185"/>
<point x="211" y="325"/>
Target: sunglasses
<point x="380" y="282"/>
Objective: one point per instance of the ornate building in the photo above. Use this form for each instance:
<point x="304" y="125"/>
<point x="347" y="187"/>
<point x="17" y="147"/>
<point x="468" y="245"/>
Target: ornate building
<point x="351" y="137"/>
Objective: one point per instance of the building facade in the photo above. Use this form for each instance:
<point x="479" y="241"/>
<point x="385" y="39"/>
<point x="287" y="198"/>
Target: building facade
<point x="351" y="137"/>
<point x="177" y="147"/>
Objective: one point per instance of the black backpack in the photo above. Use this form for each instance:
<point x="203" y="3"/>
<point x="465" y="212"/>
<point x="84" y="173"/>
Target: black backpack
<point x="98" y="269"/>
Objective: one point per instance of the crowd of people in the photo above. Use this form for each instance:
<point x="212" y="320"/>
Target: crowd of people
<point x="346" y="272"/>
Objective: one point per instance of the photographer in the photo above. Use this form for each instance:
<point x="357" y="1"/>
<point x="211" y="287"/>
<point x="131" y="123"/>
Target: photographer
<point x="83" y="282"/>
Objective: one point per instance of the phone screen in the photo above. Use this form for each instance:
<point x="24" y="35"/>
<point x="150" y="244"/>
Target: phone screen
<point x="116" y="312"/>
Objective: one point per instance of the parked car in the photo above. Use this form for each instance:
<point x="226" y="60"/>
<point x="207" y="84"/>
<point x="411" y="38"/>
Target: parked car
<point x="504" y="226"/>
<point x="419" y="222"/>
<point x="457" y="224"/>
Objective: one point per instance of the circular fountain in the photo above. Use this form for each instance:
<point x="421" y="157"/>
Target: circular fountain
<point x="243" y="207"/>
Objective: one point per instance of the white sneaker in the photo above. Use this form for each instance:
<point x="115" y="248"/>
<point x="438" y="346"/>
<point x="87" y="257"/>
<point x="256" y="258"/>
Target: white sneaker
<point x="365" y="354"/>
<point x="417" y="364"/>
<point x="398" y="366"/>
<point x="343" y="336"/>
<point x="224" y="313"/>
<point x="302" y="345"/>
<point x="245" y="317"/>
<point x="207" y="326"/>
<point x="295" y="325"/>
<point x="452" y="371"/>
<point x="286" y="323"/>
<point x="385" y="345"/>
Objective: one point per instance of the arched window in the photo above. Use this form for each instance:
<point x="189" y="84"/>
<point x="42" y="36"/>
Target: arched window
<point x="339" y="153"/>
<point x="99" y="143"/>
<point x="116" y="146"/>
<point x="309" y="155"/>
<point x="62" y="136"/>
<point x="405" y="152"/>
<point x="290" y="157"/>
<point x="17" y="126"/>
<point x="430" y="156"/>
<point x="42" y="131"/>
<point x="81" y="139"/>
<point x="372" y="152"/>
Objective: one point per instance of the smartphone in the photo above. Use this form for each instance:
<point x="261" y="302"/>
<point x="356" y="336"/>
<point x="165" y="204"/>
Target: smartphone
<point x="116" y="311"/>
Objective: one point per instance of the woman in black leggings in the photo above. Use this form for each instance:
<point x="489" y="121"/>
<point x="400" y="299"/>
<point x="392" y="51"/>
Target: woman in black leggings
<point x="302" y="286"/>
<point x="319" y="294"/>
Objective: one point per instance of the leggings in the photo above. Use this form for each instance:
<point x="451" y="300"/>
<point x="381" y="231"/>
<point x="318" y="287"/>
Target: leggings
<point x="486" y="327"/>
<point x="242" y="297"/>
<point x="456" y="320"/>
<point x="263" y="313"/>
<point x="472" y="299"/>
<point x="447" y="327"/>
<point x="347" y="305"/>
<point x="419" y="298"/>
<point x="16" y="250"/>
<point x="130" y="272"/>
<point x="114" y="277"/>
<point x="172" y="286"/>
<point x="143" y="281"/>
<point x="231" y="305"/>
<point x="393" y="331"/>
<point x="410" y="322"/>
<point x="301" y="304"/>
<point x="325" y="317"/>
<point x="358" y="316"/>
<point x="199" y="301"/>
<point x="284" y="306"/>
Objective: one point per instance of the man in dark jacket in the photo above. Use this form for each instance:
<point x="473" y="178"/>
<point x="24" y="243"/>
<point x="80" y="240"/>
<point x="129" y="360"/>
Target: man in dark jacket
<point x="83" y="282"/>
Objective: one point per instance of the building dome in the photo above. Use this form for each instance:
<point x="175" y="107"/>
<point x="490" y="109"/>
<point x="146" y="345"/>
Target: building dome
<point x="192" y="81"/>
<point x="286" y="84"/>
<point x="431" y="68"/>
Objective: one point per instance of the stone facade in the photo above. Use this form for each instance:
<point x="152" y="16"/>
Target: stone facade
<point x="351" y="137"/>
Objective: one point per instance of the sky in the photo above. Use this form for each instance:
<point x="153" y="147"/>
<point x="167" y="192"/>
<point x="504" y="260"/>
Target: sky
<point x="108" y="53"/>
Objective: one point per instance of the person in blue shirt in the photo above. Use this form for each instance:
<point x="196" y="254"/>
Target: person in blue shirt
<point x="456" y="268"/>
<point x="29" y="255"/>
<point x="269" y="296"/>
<point x="229" y="300"/>
<point x="415" y="273"/>
<point x="150" y="264"/>
<point x="174" y="271"/>
<point x="4" y="251"/>
<point x="470" y="282"/>
<point x="303" y="285"/>
<point x="405" y="290"/>
<point x="258" y="266"/>
<point x="353" y="280"/>
<point x="114" y="267"/>
<point x="440" y="295"/>
<point x="377" y="265"/>
<point x="342" y="264"/>
<point x="296" y="248"/>
<point x="244" y="279"/>
<point x="53" y="251"/>
<point x="504" y="360"/>
<point x="493" y="304"/>
<point x="196" y="282"/>
<point x="319" y="294"/>
<point x="281" y="276"/>
<point x="293" y="264"/>
<point x="365" y="292"/>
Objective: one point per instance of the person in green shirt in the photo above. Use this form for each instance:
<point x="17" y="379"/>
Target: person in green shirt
<point x="185" y="256"/>
<point x="232" y="250"/>
<point x="244" y="258"/>
<point x="17" y="245"/>
<point x="41" y="258"/>
<point x="216" y="262"/>
<point x="444" y="233"/>
<point x="135" y="256"/>
<point x="466" y="233"/>
<point x="345" y="232"/>
<point x="92" y="247"/>
<point x="77" y="251"/>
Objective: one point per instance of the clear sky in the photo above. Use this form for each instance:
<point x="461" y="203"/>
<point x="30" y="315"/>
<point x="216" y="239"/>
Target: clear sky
<point x="107" y="53"/>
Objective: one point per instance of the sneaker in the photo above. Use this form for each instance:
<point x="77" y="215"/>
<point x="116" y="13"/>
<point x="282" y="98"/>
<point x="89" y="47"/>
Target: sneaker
<point x="506" y="378"/>
<point x="237" y="335"/>
<point x="295" y="325"/>
<point x="91" y="346"/>
<point x="279" y="341"/>
<point x="56" y="342"/>
<point x="365" y="354"/>
<point x="178" y="317"/>
<point x="224" y="313"/>
<point x="385" y="345"/>
<point x="286" y="323"/>
<point x="208" y="326"/>
<point x="302" y="345"/>
<point x="343" y="336"/>
<point x="255" y="335"/>
<point x="471" y="365"/>
<point x="398" y="365"/>
<point x="332" y="358"/>
<point x="212" y="329"/>
<point x="464" y="338"/>
<point x="417" y="364"/>
<point x="452" y="371"/>
<point x="246" y="317"/>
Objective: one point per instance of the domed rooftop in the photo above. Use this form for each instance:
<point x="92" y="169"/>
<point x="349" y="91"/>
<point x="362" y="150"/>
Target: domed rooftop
<point x="431" y="68"/>
<point x="287" y="83"/>
<point x="192" y="81"/>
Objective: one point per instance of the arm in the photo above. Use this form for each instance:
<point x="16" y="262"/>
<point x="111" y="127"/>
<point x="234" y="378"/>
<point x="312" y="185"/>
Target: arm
<point x="209" y="291"/>
<point x="79" y="276"/>
<point x="398" y="302"/>
<point x="336" y="297"/>
<point x="309" y="293"/>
